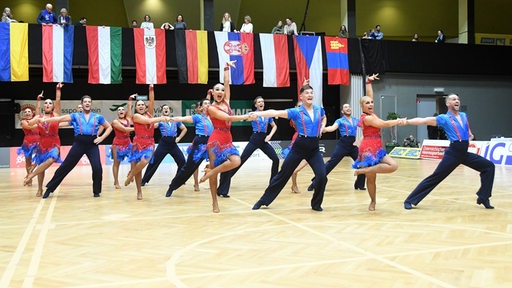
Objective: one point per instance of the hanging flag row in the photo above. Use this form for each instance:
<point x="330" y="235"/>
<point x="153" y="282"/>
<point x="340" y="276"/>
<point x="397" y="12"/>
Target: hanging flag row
<point x="105" y="46"/>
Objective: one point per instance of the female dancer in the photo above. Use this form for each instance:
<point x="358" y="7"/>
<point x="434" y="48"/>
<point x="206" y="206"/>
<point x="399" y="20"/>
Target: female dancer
<point x="31" y="139"/>
<point x="143" y="142"/>
<point x="197" y="152"/>
<point x="259" y="140"/>
<point x="222" y="153"/>
<point x="309" y="120"/>
<point x="48" y="150"/>
<point x="372" y="158"/>
<point x="121" y="145"/>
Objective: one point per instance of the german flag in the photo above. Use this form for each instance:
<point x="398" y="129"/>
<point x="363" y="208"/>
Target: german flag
<point x="192" y="56"/>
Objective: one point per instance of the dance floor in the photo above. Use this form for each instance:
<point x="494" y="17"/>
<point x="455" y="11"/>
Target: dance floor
<point x="75" y="240"/>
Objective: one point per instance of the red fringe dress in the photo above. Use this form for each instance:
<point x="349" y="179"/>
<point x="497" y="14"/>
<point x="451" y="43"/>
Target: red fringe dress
<point x="143" y="142"/>
<point x="221" y="140"/>
<point x="122" y="142"/>
<point x="49" y="142"/>
<point x="30" y="141"/>
<point x="370" y="150"/>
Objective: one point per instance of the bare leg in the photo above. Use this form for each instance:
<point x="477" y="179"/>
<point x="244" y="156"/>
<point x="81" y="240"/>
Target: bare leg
<point x="213" y="182"/>
<point x="115" y="168"/>
<point x="371" y="184"/>
<point x="40" y="179"/>
<point x="232" y="162"/>
<point x="39" y="169"/>
<point x="138" y="183"/>
<point x="136" y="169"/>
<point x="295" y="187"/>
<point x="196" y="180"/>
<point x="29" y="168"/>
<point x="386" y="165"/>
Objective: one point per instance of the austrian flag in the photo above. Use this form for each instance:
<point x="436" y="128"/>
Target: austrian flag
<point x="150" y="60"/>
<point x="233" y="46"/>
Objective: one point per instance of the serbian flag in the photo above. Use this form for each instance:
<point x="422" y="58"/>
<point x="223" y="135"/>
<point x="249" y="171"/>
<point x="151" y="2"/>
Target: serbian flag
<point x="104" y="46"/>
<point x="276" y="66"/>
<point x="57" y="53"/>
<point x="308" y="62"/>
<point x="336" y="50"/>
<point x="240" y="47"/>
<point x="150" y="59"/>
<point x="13" y="51"/>
<point x="192" y="56"/>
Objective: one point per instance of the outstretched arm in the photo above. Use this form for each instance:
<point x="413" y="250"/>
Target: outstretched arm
<point x="151" y="104"/>
<point x="331" y="128"/>
<point x="227" y="90"/>
<point x="56" y="107"/>
<point x="431" y="121"/>
<point x="218" y="114"/>
<point x="38" y="103"/>
<point x="63" y="118"/>
<point x="369" y="87"/>
<point x="186" y="119"/>
<point x="269" y="113"/>
<point x="379" y="123"/>
<point x="137" y="118"/>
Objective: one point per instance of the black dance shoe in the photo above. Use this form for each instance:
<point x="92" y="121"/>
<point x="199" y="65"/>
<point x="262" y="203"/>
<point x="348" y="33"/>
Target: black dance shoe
<point x="357" y="188"/>
<point x="46" y="194"/>
<point x="311" y="187"/>
<point x="96" y="195"/>
<point x="223" y="195"/>
<point x="319" y="209"/>
<point x="408" y="205"/>
<point x="257" y="205"/>
<point x="485" y="202"/>
<point x="169" y="192"/>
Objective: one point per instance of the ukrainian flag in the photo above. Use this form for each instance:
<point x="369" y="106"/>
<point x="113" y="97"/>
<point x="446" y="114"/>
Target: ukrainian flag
<point x="13" y="51"/>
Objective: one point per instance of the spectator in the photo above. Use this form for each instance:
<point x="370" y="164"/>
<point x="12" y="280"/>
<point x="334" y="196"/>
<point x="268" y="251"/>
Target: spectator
<point x="378" y="35"/>
<point x="415" y="37"/>
<point x="82" y="22"/>
<point x="180" y="23"/>
<point x="365" y="35"/>
<point x="135" y="24"/>
<point x="167" y="26"/>
<point x="7" y="16"/>
<point x="290" y="28"/>
<point x="371" y="34"/>
<point x="227" y="25"/>
<point x="247" y="27"/>
<point x="64" y="19"/>
<point x="440" y="36"/>
<point x="343" y="32"/>
<point x="279" y="28"/>
<point x="410" y="142"/>
<point x="147" y="23"/>
<point x="46" y="16"/>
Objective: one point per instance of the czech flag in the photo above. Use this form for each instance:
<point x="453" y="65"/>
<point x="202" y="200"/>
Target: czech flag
<point x="104" y="46"/>
<point x="336" y="50"/>
<point x="240" y="47"/>
<point x="308" y="62"/>
<point x="192" y="56"/>
<point x="150" y="60"/>
<point x="57" y="53"/>
<point x="276" y="66"/>
<point x="13" y="51"/>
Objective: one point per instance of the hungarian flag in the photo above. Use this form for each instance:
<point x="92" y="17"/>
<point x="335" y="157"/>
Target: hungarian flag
<point x="240" y="47"/>
<point x="57" y="53"/>
<point x="308" y="62"/>
<point x="276" y="66"/>
<point x="150" y="62"/>
<point x="104" y="46"/>
<point x="192" y="56"/>
<point x="13" y="51"/>
<point x="336" y="50"/>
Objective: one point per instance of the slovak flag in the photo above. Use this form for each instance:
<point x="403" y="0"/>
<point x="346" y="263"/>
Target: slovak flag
<point x="150" y="60"/>
<point x="336" y="50"/>
<point x="240" y="47"/>
<point x="276" y="66"/>
<point x="57" y="53"/>
<point x="308" y="62"/>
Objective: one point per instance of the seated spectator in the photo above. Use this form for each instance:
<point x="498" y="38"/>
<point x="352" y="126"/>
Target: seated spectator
<point x="377" y="34"/>
<point x="343" y="32"/>
<point x="410" y="142"/>
<point x="247" y="27"/>
<point x="7" y="16"/>
<point x="290" y="28"/>
<point x="227" y="25"/>
<point x="82" y="22"/>
<point x="167" y="26"/>
<point x="415" y="38"/>
<point x="371" y="34"/>
<point x="440" y="36"/>
<point x="46" y="16"/>
<point x="279" y="28"/>
<point x="135" y="24"/>
<point x="147" y="22"/>
<point x="64" y="19"/>
<point x="365" y="36"/>
<point x="180" y="23"/>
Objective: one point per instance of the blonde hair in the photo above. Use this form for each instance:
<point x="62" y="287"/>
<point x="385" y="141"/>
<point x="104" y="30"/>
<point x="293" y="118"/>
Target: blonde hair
<point x="224" y="18"/>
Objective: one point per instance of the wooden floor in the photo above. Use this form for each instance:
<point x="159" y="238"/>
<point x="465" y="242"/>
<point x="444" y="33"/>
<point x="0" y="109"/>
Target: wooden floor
<point x="74" y="240"/>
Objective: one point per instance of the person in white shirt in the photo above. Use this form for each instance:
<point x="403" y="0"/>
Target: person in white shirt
<point x="7" y="16"/>
<point x="290" y="28"/>
<point x="227" y="25"/>
<point x="247" y="26"/>
<point x="147" y="22"/>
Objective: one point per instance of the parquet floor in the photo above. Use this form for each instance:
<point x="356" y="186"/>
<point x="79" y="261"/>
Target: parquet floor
<point x="74" y="240"/>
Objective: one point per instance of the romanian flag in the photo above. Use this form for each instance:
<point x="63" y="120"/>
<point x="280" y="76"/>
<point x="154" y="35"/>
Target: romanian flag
<point x="13" y="51"/>
<point x="336" y="50"/>
<point x="308" y="62"/>
<point x="276" y="66"/>
<point x="150" y="60"/>
<point x="240" y="47"/>
<point x="104" y="46"/>
<point x="192" y="56"/>
<point x="57" y="53"/>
